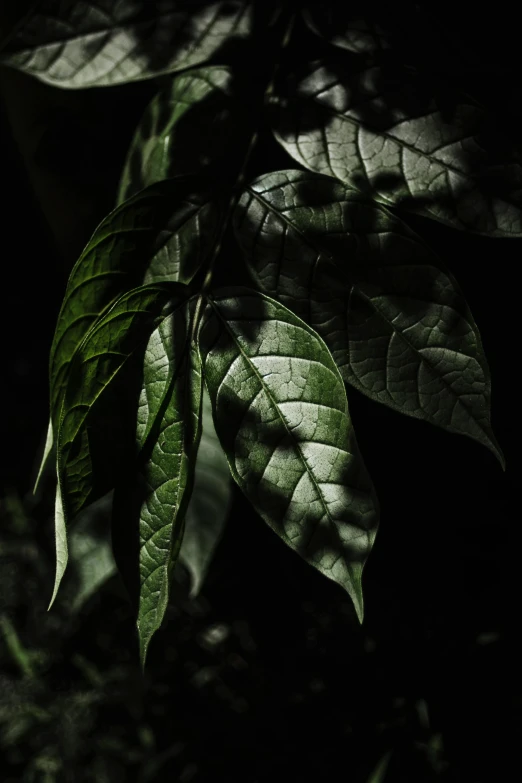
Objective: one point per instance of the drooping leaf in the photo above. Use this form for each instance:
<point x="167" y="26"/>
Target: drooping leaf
<point x="210" y="502"/>
<point x="110" y="343"/>
<point x="90" y="547"/>
<point x="394" y="319"/>
<point x="193" y="124"/>
<point x="154" y="500"/>
<point x="386" y="132"/>
<point x="60" y="543"/>
<point x="115" y="336"/>
<point x="163" y="233"/>
<point x="81" y="43"/>
<point x="281" y="414"/>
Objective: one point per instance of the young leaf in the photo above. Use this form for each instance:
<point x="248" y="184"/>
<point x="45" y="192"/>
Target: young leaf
<point x="384" y="131"/>
<point x="163" y="233"/>
<point x="210" y="502"/>
<point x="394" y="319"/>
<point x="155" y="499"/>
<point x="193" y="124"/>
<point x="81" y="43"/>
<point x="116" y="335"/>
<point x="281" y="414"/>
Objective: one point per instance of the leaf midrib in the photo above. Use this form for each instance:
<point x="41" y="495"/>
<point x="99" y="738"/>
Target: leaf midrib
<point x="405" y="339"/>
<point x="289" y="432"/>
<point x="353" y="289"/>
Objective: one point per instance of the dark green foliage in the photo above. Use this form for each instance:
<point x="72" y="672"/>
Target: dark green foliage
<point x="341" y="289"/>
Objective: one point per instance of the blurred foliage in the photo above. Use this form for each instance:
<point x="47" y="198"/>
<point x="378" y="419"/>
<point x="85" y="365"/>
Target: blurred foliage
<point x="93" y="716"/>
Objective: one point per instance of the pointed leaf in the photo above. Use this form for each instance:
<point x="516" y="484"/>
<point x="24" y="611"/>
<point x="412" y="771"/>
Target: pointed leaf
<point x="155" y="499"/>
<point x="281" y="414"/>
<point x="60" y="543"/>
<point x="162" y="234"/>
<point x="194" y="123"/>
<point x="121" y="331"/>
<point x="209" y="505"/>
<point x="394" y="319"/>
<point x="46" y="456"/>
<point x="81" y="43"/>
<point x="385" y="132"/>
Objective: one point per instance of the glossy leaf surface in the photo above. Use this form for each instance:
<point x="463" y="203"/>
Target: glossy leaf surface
<point x="155" y="236"/>
<point x="394" y="319"/>
<point x="80" y="43"/>
<point x="386" y="132"/>
<point x="281" y="414"/>
<point x="155" y="499"/>
<point x="121" y="331"/>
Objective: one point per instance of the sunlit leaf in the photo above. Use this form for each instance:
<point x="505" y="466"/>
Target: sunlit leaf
<point x="281" y="414"/>
<point x="394" y="319"/>
<point x="81" y="43"/>
<point x="385" y="132"/>
<point x="154" y="500"/>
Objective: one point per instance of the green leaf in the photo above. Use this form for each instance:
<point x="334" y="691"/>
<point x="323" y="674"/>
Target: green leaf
<point x="90" y="550"/>
<point x="116" y="335"/>
<point x="80" y="43"/>
<point x="209" y="505"/>
<point x="281" y="414"/>
<point x="60" y="543"/>
<point x="48" y="448"/>
<point x="193" y="124"/>
<point x="163" y="233"/>
<point x="393" y="317"/>
<point x="155" y="498"/>
<point x="386" y="132"/>
<point x="113" y="339"/>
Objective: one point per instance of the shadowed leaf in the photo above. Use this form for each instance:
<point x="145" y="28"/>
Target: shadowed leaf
<point x="394" y="319"/>
<point x="385" y="132"/>
<point x="154" y="500"/>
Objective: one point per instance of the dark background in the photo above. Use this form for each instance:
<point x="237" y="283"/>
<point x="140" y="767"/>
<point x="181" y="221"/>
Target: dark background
<point x="268" y="674"/>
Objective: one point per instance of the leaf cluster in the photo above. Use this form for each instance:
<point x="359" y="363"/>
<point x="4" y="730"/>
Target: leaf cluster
<point x="256" y="266"/>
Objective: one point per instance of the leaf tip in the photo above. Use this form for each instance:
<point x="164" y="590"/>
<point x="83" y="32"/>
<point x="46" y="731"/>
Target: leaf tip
<point x="497" y="451"/>
<point x="62" y="551"/>
<point x="144" y="647"/>
<point x="356" y="591"/>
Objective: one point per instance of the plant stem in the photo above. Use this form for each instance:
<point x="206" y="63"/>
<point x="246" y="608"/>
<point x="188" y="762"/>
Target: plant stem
<point x="237" y="188"/>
